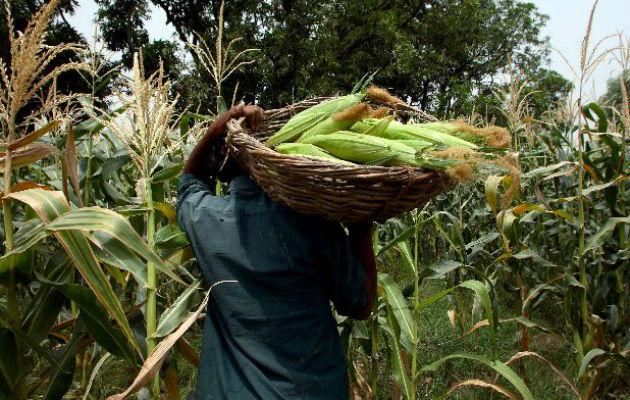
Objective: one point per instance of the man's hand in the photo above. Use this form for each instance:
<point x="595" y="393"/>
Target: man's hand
<point x="253" y="114"/>
<point x="198" y="162"/>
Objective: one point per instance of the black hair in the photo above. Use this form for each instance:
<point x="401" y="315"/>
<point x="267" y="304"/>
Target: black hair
<point x="221" y="165"/>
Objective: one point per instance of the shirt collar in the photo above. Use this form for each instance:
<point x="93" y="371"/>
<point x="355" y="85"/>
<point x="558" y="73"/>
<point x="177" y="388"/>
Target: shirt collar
<point x="243" y="184"/>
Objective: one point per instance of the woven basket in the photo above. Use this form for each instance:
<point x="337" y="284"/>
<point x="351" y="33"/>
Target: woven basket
<point x="344" y="193"/>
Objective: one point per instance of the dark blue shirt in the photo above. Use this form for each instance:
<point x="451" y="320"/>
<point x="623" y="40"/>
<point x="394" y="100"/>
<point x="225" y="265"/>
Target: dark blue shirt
<point x="272" y="335"/>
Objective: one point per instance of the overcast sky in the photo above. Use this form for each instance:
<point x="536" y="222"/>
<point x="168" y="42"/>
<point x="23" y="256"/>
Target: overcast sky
<point x="565" y="28"/>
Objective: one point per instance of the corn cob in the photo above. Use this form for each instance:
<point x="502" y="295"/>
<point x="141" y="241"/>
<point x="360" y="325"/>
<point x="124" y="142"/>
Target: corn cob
<point x="367" y="149"/>
<point x="492" y="136"/>
<point x="423" y="133"/>
<point x="306" y="149"/>
<point x="307" y="119"/>
<point x="337" y="122"/>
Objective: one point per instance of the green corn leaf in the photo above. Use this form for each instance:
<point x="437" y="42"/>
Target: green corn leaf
<point x="483" y="294"/>
<point x="43" y="310"/>
<point x="51" y="205"/>
<point x="184" y="123"/>
<point x="114" y="252"/>
<point x="399" y="369"/>
<point x="499" y="367"/>
<point x="97" y="322"/>
<point x="61" y="379"/>
<point x="30" y="234"/>
<point x="599" y="238"/>
<point x="99" y="219"/>
<point x="167" y="173"/>
<point x="397" y="303"/>
<point x="406" y="253"/>
<point x="531" y="254"/>
<point x="170" y="237"/>
<point x="31" y="343"/>
<point x="587" y="360"/>
<point x="173" y="316"/>
<point x="602" y="119"/>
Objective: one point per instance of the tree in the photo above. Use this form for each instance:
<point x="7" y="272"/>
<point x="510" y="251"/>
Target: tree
<point x="434" y="53"/>
<point x="613" y="96"/>
<point x="60" y="31"/>
<point x="542" y="89"/>
<point x="122" y="26"/>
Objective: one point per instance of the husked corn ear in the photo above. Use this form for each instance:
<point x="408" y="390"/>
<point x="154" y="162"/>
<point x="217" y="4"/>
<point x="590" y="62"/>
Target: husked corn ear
<point x="308" y="118"/>
<point x="306" y="149"/>
<point x="337" y="122"/>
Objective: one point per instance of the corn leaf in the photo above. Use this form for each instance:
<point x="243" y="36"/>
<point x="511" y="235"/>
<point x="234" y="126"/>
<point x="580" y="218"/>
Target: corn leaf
<point x="396" y="301"/>
<point x="167" y="173"/>
<point x="31" y="137"/>
<point x="61" y="379"/>
<point x="177" y="312"/>
<point x="400" y="371"/>
<point x="99" y="219"/>
<point x="599" y="238"/>
<point x="114" y="252"/>
<point x="51" y="205"/>
<point x="97" y="322"/>
<point x="484" y="384"/>
<point x="502" y="369"/>
<point x="587" y="360"/>
<point x="29" y="154"/>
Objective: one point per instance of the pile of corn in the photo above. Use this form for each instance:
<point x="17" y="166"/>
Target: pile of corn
<point x="347" y="130"/>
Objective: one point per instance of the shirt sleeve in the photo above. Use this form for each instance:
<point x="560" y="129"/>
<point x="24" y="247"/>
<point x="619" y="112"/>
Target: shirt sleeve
<point x="346" y="278"/>
<point x="192" y="191"/>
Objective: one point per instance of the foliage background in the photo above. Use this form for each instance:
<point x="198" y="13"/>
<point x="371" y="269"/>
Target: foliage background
<point x="523" y="292"/>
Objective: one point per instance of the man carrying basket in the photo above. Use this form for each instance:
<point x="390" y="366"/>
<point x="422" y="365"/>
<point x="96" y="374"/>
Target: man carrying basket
<point x="272" y="335"/>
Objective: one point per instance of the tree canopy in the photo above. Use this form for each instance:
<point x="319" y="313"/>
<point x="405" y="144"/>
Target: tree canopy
<point x="438" y="54"/>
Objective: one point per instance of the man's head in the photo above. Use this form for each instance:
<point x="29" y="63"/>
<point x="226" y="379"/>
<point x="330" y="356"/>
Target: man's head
<point x="222" y="166"/>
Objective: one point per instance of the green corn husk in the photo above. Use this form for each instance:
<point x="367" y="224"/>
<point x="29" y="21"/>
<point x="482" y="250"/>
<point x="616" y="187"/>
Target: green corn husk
<point x="418" y="145"/>
<point x="337" y="122"/>
<point x="306" y="149"/>
<point x="379" y="128"/>
<point x="368" y="126"/>
<point x="398" y="131"/>
<point x="444" y="127"/>
<point x="490" y="136"/>
<point x="366" y="149"/>
<point x="308" y="118"/>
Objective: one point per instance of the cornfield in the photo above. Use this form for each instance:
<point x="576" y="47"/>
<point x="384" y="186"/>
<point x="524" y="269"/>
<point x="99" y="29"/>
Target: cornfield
<point x="515" y="285"/>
